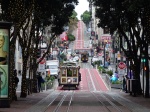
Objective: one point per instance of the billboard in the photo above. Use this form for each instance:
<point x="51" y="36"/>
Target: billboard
<point x="4" y="56"/>
<point x="106" y="38"/>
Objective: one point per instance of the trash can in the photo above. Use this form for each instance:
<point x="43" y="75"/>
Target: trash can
<point x="133" y="86"/>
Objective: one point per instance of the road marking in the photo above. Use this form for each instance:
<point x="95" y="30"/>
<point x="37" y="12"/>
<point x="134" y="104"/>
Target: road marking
<point x="103" y="80"/>
<point x="92" y="80"/>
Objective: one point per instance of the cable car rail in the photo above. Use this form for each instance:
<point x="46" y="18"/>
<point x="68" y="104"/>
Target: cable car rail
<point x="109" y="104"/>
<point x="62" y="102"/>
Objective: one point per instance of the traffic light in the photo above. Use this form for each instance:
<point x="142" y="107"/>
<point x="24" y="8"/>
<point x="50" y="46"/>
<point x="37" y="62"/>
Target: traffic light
<point x="38" y="53"/>
<point x="143" y="60"/>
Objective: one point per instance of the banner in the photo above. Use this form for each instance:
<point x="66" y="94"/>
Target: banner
<point x="4" y="51"/>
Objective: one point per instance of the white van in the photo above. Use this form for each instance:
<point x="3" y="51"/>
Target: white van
<point x="53" y="67"/>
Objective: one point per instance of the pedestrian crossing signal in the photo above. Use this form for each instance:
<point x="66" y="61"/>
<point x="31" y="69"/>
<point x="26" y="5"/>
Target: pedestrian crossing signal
<point x="145" y="68"/>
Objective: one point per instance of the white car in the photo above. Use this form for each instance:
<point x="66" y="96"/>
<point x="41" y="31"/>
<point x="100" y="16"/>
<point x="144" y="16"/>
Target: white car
<point x="76" y="58"/>
<point x="95" y="58"/>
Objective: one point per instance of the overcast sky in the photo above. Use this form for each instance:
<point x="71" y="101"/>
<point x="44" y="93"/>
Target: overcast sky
<point x="81" y="7"/>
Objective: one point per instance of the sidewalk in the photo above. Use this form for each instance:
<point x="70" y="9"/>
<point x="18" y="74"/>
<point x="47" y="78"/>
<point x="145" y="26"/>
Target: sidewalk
<point x="24" y="103"/>
<point x="139" y="99"/>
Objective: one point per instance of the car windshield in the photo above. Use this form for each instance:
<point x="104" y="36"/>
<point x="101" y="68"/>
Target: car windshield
<point x="76" y="57"/>
<point x="95" y="57"/>
<point x="51" y="66"/>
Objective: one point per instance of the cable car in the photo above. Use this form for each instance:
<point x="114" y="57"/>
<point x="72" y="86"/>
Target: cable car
<point x="84" y="57"/>
<point x="69" y="75"/>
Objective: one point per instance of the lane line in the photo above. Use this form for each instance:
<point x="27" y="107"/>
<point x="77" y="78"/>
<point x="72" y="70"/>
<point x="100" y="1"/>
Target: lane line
<point x="92" y="80"/>
<point x="103" y="80"/>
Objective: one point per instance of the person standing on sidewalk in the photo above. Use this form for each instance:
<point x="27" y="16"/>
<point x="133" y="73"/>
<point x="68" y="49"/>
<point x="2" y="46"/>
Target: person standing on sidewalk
<point x="40" y="81"/>
<point x="126" y="79"/>
<point x="123" y="83"/>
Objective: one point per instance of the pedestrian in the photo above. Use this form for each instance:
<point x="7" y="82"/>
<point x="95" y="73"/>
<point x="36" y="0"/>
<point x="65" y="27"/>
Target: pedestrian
<point x="40" y="81"/>
<point x="126" y="80"/>
<point x="16" y="81"/>
<point x="123" y="83"/>
<point x="79" y="74"/>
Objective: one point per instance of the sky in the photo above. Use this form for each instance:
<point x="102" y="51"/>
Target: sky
<point x="82" y="6"/>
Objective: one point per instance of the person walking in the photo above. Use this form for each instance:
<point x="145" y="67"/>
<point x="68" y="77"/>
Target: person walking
<point x="40" y="81"/>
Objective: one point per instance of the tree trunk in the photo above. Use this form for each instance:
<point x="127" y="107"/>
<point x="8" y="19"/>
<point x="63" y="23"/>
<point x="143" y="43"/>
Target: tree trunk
<point x="137" y="69"/>
<point x="34" y="77"/>
<point x="34" y="87"/>
<point x="12" y="92"/>
<point x="24" y="84"/>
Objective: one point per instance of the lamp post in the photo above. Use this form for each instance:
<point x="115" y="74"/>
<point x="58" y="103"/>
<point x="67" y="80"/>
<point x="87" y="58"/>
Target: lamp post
<point x="105" y="42"/>
<point x="90" y="5"/>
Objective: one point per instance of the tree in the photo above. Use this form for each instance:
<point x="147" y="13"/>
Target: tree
<point x="71" y="37"/>
<point x="124" y="16"/>
<point x="86" y="17"/>
<point x="35" y="15"/>
<point x="17" y="13"/>
<point x="72" y="22"/>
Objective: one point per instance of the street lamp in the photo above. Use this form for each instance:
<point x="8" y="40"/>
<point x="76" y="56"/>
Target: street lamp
<point x="90" y="5"/>
<point x="105" y="42"/>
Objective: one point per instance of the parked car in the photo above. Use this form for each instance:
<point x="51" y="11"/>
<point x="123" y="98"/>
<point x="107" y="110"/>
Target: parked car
<point x="76" y="58"/>
<point x="95" y="58"/>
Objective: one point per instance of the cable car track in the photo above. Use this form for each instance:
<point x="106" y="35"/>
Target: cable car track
<point x="109" y="104"/>
<point x="63" y="103"/>
<point x="104" y="101"/>
<point x="42" y="105"/>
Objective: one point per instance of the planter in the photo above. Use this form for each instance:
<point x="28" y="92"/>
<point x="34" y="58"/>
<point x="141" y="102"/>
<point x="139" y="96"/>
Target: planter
<point x="117" y="86"/>
<point x="47" y="85"/>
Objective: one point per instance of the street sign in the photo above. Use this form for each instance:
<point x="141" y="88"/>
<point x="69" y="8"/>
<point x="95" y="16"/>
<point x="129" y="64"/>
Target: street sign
<point x="122" y="65"/>
<point x="119" y="56"/>
<point x="43" y="61"/>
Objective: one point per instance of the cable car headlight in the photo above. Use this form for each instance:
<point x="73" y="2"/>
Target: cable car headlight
<point x="69" y="80"/>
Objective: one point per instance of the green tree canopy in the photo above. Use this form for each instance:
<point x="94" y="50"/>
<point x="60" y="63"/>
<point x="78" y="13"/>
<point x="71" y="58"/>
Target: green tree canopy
<point x="30" y="16"/>
<point x="86" y="17"/>
<point x="72" y="22"/>
<point x="130" y="18"/>
<point x="71" y="37"/>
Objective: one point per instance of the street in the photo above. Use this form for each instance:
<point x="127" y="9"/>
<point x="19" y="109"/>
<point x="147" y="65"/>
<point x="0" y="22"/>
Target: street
<point x="92" y="95"/>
